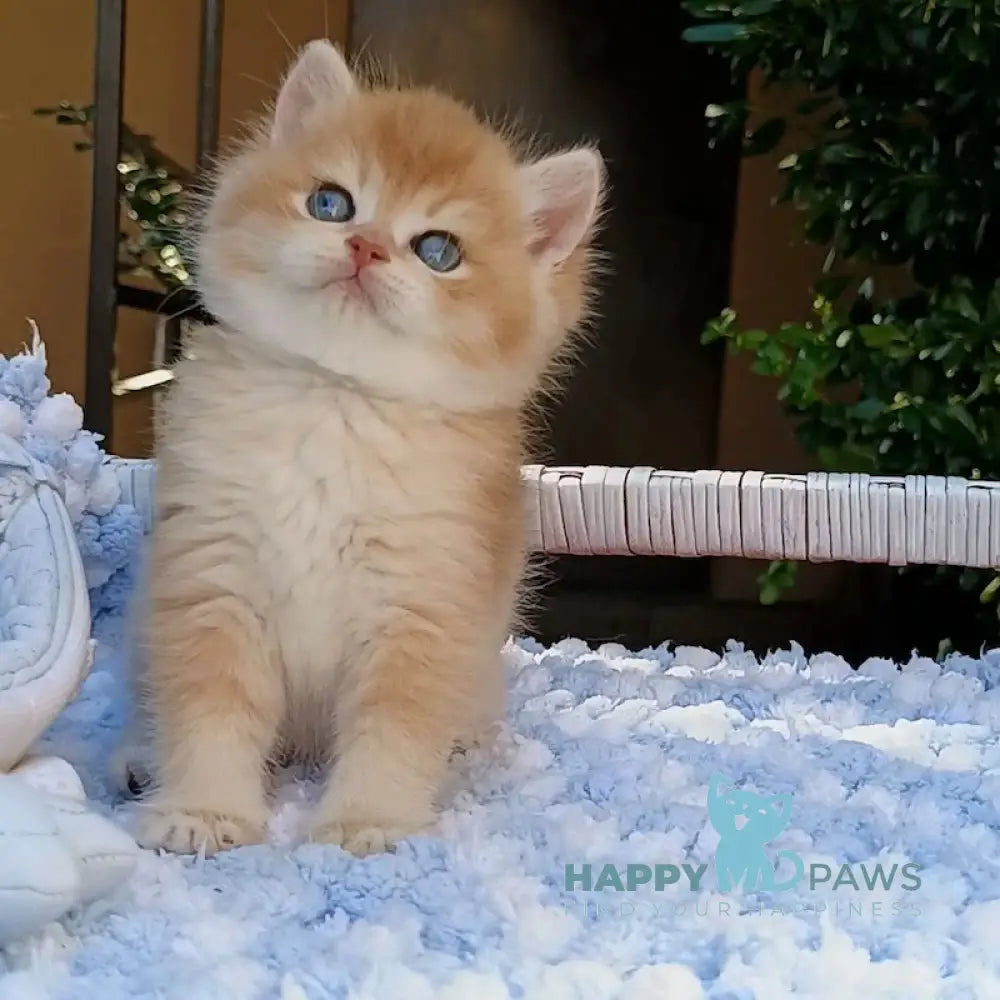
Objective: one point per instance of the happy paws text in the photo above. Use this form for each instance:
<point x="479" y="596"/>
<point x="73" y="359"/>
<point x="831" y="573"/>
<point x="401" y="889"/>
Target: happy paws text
<point x="630" y="878"/>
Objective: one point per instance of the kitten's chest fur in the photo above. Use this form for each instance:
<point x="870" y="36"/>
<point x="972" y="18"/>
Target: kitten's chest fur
<point x="325" y="501"/>
<point x="344" y="513"/>
<point x="345" y="508"/>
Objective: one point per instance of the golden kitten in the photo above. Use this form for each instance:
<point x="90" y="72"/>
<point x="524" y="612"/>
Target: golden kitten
<point x="339" y="546"/>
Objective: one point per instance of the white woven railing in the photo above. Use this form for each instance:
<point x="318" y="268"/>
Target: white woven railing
<point x="820" y="517"/>
<point x="602" y="510"/>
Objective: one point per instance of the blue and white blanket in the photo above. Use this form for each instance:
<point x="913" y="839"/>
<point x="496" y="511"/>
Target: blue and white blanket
<point x="578" y="857"/>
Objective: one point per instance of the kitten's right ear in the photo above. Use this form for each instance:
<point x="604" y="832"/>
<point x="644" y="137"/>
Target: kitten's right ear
<point x="562" y="195"/>
<point x="320" y="76"/>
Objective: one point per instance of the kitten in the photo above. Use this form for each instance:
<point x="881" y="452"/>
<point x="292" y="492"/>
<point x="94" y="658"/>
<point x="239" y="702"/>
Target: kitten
<point x="340" y="538"/>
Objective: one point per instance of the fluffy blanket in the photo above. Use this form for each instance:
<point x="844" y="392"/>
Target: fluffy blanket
<point x="662" y="825"/>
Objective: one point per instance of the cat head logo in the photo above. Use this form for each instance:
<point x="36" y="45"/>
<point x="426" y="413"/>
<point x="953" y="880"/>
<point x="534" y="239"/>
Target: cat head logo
<point x="745" y="822"/>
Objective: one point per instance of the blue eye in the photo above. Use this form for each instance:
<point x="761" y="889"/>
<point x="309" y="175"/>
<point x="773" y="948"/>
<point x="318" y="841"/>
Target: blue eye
<point x="330" y="203"/>
<point x="438" y="250"/>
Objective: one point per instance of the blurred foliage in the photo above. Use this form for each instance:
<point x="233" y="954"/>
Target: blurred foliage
<point x="776" y="579"/>
<point x="152" y="189"/>
<point x="898" y="164"/>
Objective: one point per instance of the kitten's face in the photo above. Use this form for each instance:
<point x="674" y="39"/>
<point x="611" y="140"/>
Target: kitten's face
<point x="391" y="239"/>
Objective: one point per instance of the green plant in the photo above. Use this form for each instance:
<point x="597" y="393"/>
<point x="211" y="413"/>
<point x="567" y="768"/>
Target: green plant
<point x="152" y="189"/>
<point x="897" y="163"/>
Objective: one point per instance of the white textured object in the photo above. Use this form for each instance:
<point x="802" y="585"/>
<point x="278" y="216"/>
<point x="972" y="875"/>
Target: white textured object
<point x="103" y="853"/>
<point x="45" y="647"/>
<point x="39" y="880"/>
<point x="819" y="517"/>
<point x="54" y="853"/>
<point x="53" y="776"/>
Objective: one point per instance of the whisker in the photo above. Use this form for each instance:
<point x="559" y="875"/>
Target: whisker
<point x="277" y="28"/>
<point x="256" y="79"/>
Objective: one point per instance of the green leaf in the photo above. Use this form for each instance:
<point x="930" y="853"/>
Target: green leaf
<point x="916" y="214"/>
<point x="961" y="415"/>
<point x="965" y="307"/>
<point x="829" y="458"/>
<point x="879" y="336"/>
<point x="989" y="592"/>
<point x="708" y="34"/>
<point x="776" y="580"/>
<point x="870" y="408"/>
<point x="970" y="46"/>
<point x="753" y="339"/>
<point x="840" y="152"/>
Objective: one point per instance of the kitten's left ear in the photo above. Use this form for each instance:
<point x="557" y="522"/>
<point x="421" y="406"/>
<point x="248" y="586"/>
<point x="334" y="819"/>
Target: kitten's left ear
<point x="562" y="195"/>
<point x="320" y="76"/>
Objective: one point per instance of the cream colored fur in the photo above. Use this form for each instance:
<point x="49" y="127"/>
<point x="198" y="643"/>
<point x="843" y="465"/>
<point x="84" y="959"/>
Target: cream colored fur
<point x="339" y="546"/>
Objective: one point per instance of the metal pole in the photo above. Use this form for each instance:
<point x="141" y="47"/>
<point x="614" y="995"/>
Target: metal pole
<point x="102" y="301"/>
<point x="209" y="81"/>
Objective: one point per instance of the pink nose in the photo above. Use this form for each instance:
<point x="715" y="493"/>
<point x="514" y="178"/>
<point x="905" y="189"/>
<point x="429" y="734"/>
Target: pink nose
<point x="365" y="251"/>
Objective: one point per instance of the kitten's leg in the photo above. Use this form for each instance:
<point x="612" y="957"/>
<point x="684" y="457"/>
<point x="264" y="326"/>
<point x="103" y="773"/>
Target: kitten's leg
<point x="397" y="725"/>
<point x="216" y="704"/>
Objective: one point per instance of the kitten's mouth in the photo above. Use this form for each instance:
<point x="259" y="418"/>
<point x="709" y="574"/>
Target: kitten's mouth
<point x="355" y="288"/>
<point x="352" y="287"/>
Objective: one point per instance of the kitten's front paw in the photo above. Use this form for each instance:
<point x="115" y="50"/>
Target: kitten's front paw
<point x="187" y="832"/>
<point x="361" y="838"/>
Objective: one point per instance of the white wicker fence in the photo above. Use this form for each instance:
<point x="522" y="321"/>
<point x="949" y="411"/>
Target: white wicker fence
<point x="819" y="517"/>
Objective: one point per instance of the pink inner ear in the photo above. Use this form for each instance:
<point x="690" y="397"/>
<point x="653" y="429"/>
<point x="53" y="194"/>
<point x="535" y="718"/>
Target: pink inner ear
<point x="562" y="193"/>
<point x="319" y="77"/>
<point x="294" y="102"/>
<point x="550" y="226"/>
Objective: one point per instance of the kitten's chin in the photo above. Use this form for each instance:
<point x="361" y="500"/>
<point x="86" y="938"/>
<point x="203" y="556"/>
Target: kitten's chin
<point x="343" y="298"/>
<point x="348" y="338"/>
